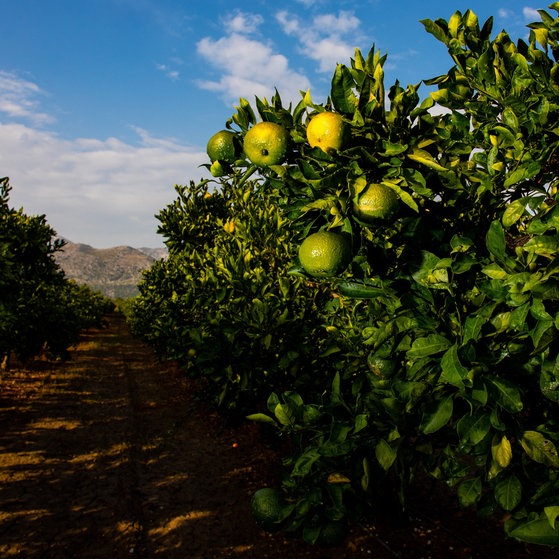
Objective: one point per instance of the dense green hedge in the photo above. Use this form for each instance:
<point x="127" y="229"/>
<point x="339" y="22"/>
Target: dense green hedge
<point x="436" y="351"/>
<point x="40" y="309"/>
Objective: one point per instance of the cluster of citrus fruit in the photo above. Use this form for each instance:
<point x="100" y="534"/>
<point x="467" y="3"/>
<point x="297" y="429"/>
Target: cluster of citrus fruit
<point x="271" y="512"/>
<point x="265" y="144"/>
<point x="324" y="253"/>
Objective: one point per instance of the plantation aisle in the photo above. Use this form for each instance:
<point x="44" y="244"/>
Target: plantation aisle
<point x="109" y="455"/>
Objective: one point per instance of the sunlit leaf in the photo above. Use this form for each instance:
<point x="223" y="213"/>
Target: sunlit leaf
<point x="425" y="158"/>
<point x="501" y="450"/>
<point x="385" y="454"/>
<point x="540" y="449"/>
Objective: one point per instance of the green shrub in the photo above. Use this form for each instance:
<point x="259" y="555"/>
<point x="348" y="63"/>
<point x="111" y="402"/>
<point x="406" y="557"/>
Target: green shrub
<point x="436" y="349"/>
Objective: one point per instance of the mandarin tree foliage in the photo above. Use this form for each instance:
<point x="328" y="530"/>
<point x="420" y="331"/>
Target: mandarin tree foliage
<point x="442" y="334"/>
<point x="223" y="305"/>
<point x="39" y="307"/>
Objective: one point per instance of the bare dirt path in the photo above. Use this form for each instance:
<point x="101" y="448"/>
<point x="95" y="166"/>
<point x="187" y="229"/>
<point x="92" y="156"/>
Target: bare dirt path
<point x="110" y="455"/>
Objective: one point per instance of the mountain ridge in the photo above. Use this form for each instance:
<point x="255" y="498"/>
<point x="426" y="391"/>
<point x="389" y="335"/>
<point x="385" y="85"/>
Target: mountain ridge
<point x="114" y="271"/>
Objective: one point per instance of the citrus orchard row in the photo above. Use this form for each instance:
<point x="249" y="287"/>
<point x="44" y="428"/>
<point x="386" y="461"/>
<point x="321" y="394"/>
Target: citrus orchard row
<point x="375" y="278"/>
<point x="40" y="308"/>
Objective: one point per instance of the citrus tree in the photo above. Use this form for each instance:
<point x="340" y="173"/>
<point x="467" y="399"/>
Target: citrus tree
<point x="423" y="235"/>
<point x="223" y="304"/>
<point x="455" y="261"/>
<point x="39" y="307"/>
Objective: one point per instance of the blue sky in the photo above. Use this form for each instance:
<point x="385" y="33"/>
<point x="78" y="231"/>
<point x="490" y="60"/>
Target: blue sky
<point x="105" y="105"/>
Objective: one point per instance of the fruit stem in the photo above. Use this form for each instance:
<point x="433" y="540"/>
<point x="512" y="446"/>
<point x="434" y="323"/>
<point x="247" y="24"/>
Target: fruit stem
<point x="247" y="175"/>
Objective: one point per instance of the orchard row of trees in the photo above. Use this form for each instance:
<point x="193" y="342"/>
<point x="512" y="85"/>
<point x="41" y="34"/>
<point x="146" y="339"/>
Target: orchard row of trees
<point x="40" y="309"/>
<point x="435" y="351"/>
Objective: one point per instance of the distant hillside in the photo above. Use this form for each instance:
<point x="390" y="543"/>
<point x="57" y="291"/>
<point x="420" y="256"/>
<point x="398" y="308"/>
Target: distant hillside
<point x="113" y="271"/>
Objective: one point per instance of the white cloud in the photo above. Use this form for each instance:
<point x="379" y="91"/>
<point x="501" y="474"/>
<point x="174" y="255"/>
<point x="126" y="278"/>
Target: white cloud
<point x="503" y="13"/>
<point x="325" y="38"/>
<point x="18" y="99"/>
<point x="531" y="14"/>
<point x="242" y="22"/>
<point x="248" y="66"/>
<point x="100" y="192"/>
<point x="168" y="71"/>
<point x="527" y="15"/>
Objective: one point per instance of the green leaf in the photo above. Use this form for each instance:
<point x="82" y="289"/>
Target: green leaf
<point x="472" y="328"/>
<point x="549" y="381"/>
<point x="453" y="371"/>
<point x="343" y="96"/>
<point x="508" y="492"/>
<point x="495" y="240"/>
<point x="542" y="326"/>
<point x="506" y="393"/>
<point x="540" y="449"/>
<point x="425" y="158"/>
<point x="304" y="463"/>
<point x="385" y="454"/>
<point x="525" y="171"/>
<point x="514" y="212"/>
<point x="510" y="119"/>
<point x="336" y="395"/>
<point x="437" y="417"/>
<point x="501" y="451"/>
<point x="285" y="414"/>
<point x="473" y="429"/>
<point x="429" y="262"/>
<point x="551" y="514"/>
<point x="538" y="531"/>
<point x="469" y="492"/>
<point x="261" y="417"/>
<point x="428" y="345"/>
<point x="361" y="421"/>
<point x="436" y="30"/>
<point x="391" y="149"/>
<point x="547" y="246"/>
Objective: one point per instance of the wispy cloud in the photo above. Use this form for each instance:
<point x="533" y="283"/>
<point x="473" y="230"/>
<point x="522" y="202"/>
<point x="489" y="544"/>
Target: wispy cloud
<point x="170" y="72"/>
<point x="101" y="192"/>
<point x="327" y="38"/>
<point x="503" y="13"/>
<point x="520" y="17"/>
<point x="247" y="64"/>
<point x="530" y="14"/>
<point x="18" y="99"/>
<point x="97" y="191"/>
<point x="242" y="22"/>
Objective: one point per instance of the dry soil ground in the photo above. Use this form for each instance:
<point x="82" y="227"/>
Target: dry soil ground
<point x="111" y="455"/>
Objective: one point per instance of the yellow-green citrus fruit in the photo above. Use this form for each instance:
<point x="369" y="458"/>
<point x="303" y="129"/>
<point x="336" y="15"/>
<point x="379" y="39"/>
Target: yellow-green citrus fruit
<point x="383" y="367"/>
<point x="325" y="253"/>
<point x="217" y="169"/>
<point x="377" y="201"/>
<point x="267" y="506"/>
<point x="229" y="226"/>
<point x="266" y="144"/>
<point x="332" y="533"/>
<point x="328" y="131"/>
<point x="224" y="146"/>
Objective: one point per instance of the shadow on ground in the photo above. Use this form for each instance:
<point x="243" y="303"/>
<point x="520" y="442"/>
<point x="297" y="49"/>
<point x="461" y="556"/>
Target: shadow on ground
<point x="110" y="455"/>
